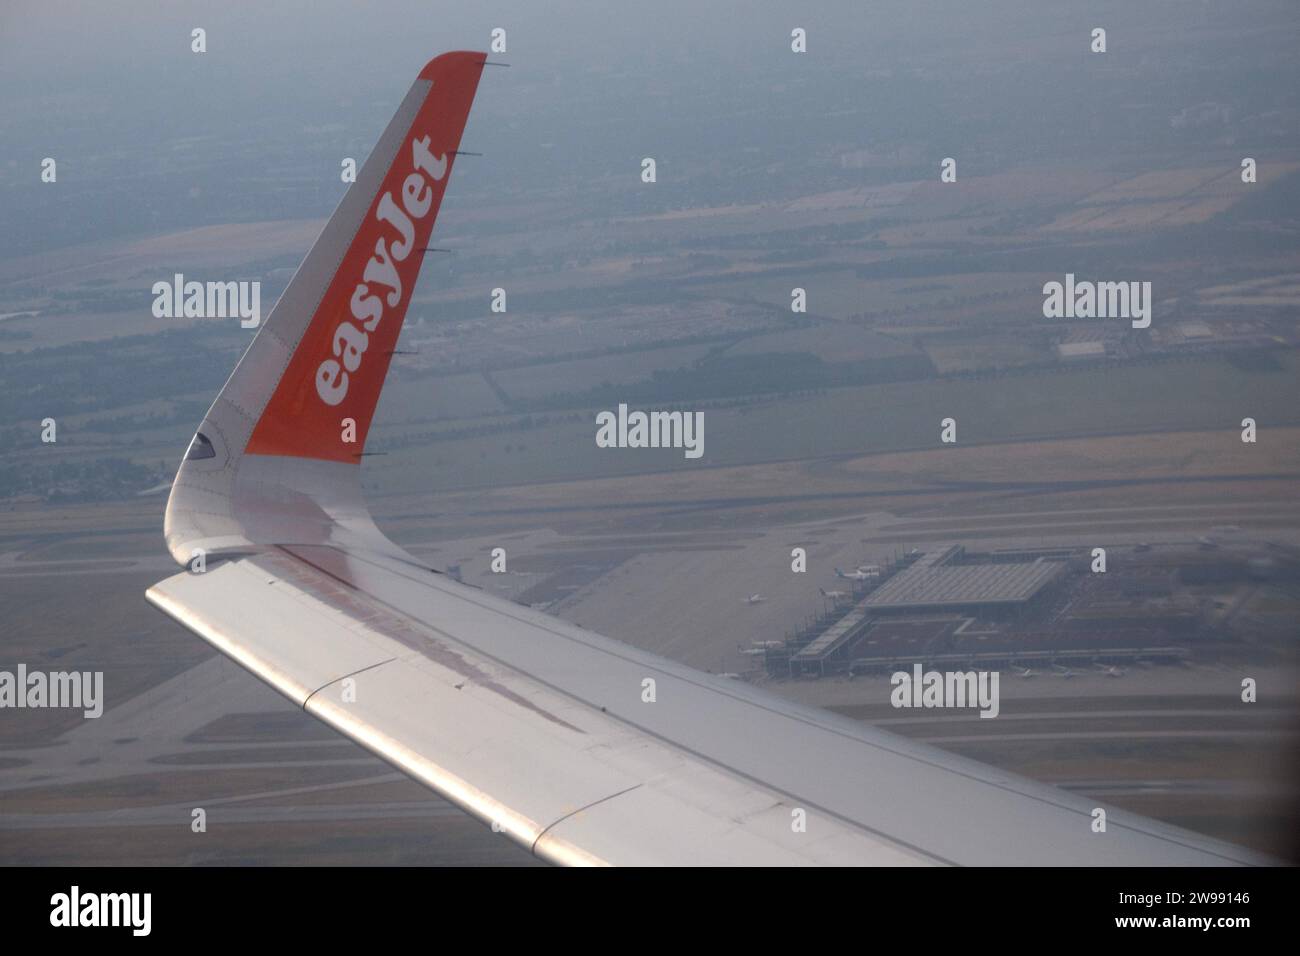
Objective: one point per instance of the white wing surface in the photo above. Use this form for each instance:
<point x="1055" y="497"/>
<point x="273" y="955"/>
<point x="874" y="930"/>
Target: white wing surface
<point x="534" y="725"/>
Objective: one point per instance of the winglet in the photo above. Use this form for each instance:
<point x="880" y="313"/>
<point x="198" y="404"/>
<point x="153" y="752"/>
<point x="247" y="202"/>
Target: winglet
<point x="275" y="460"/>
<point x="338" y="368"/>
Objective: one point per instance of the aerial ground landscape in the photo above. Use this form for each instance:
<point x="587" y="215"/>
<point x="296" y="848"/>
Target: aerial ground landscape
<point x="776" y="171"/>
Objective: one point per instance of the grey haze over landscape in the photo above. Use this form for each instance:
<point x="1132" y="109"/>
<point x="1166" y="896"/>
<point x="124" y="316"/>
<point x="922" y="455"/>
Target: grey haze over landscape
<point x="776" y="172"/>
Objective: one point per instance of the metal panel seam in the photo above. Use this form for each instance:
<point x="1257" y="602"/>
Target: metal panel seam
<point x="555" y="823"/>
<point x="360" y="670"/>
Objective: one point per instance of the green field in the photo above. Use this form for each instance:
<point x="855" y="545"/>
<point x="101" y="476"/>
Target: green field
<point x="1190" y="395"/>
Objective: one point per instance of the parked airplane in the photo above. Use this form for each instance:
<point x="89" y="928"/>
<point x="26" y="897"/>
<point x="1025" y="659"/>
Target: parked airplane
<point x="834" y="595"/>
<point x="582" y="749"/>
<point x="861" y="574"/>
<point x="755" y="599"/>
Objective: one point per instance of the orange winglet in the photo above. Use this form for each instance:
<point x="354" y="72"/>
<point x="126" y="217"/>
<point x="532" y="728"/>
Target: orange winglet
<point x="338" y="368"/>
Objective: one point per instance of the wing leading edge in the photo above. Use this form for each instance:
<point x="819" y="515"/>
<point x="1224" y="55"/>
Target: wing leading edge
<point x="530" y="723"/>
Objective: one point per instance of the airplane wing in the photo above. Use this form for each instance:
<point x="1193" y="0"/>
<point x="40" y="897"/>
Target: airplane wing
<point x="581" y="748"/>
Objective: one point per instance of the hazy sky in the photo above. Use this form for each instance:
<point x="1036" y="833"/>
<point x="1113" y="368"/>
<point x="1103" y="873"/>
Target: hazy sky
<point x="114" y="92"/>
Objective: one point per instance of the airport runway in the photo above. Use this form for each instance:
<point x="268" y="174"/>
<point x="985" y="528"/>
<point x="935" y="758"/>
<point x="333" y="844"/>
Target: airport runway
<point x="191" y="740"/>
